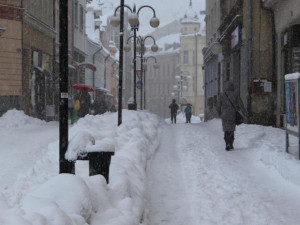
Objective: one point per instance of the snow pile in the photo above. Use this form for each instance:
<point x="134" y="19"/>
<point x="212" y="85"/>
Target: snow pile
<point x="41" y="196"/>
<point x="78" y="144"/>
<point x="15" y="118"/>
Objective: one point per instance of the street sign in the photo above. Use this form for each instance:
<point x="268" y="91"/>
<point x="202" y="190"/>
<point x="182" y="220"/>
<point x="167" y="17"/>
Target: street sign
<point x="139" y="84"/>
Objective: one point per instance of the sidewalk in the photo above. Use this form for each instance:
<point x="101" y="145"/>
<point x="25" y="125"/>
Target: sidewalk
<point x="193" y="180"/>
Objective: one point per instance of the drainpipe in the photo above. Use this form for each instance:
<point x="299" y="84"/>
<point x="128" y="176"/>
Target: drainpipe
<point x="249" y="107"/>
<point x="196" y="72"/>
<point x="94" y="55"/>
<point x="107" y="57"/>
<point x="274" y="80"/>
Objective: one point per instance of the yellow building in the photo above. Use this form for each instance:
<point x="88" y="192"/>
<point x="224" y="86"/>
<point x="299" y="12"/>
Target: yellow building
<point x="189" y="71"/>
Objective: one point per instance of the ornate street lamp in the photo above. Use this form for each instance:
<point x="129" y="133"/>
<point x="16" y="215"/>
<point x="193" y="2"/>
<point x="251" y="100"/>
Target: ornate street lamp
<point x="182" y="78"/>
<point x="133" y="20"/>
<point x="141" y="48"/>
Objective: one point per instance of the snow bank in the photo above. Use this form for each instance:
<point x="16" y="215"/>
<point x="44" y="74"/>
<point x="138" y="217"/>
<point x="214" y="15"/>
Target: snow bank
<point x="292" y="76"/>
<point x="42" y="196"/>
<point x="16" y="118"/>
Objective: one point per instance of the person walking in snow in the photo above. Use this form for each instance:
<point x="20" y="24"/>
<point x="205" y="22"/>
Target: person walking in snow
<point x="188" y="113"/>
<point x="228" y="103"/>
<point x="173" y="107"/>
<point x="85" y="102"/>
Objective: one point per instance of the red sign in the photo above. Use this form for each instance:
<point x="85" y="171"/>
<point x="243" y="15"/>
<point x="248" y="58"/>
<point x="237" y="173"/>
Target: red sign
<point x="86" y="65"/>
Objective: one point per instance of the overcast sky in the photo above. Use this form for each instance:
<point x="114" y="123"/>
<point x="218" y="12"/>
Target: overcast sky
<point x="166" y="10"/>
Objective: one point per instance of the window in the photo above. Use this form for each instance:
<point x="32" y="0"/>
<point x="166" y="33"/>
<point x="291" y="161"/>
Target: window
<point x="81" y="15"/>
<point x="185" y="57"/>
<point x="76" y="12"/>
<point x="194" y="57"/>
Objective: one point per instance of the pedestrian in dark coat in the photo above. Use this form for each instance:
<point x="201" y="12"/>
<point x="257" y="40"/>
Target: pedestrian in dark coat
<point x="85" y="102"/>
<point x="174" y="108"/>
<point x="188" y="113"/>
<point x="227" y="112"/>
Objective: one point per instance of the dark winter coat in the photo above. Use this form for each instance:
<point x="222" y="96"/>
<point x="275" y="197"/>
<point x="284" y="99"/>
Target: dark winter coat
<point x="226" y="110"/>
<point x="174" y="107"/>
<point x="85" y="103"/>
<point x="188" y="110"/>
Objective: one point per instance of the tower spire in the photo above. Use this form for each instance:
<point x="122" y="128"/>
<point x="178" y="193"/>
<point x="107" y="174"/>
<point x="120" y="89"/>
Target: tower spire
<point x="191" y="3"/>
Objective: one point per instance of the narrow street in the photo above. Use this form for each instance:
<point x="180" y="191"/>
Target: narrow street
<point x="193" y="180"/>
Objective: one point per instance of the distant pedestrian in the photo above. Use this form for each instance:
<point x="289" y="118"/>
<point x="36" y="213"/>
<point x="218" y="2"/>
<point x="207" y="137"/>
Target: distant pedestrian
<point x="174" y="108"/>
<point x="84" y="103"/>
<point x="229" y="102"/>
<point x="188" y="113"/>
<point x="72" y="113"/>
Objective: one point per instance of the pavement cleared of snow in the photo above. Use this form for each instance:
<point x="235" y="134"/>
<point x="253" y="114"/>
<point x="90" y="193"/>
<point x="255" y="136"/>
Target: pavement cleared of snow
<point x="193" y="180"/>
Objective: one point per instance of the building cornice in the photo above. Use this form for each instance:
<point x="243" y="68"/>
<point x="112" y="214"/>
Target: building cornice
<point x="39" y="25"/>
<point x="11" y="12"/>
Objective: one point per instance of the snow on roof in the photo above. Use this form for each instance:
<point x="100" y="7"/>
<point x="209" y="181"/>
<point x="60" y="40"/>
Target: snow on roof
<point x="91" y="32"/>
<point x="167" y="45"/>
<point x="169" y="39"/>
<point x="292" y="76"/>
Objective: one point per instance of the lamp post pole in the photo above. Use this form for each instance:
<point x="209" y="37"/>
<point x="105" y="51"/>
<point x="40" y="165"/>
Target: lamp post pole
<point x="120" y="87"/>
<point x="64" y="165"/>
<point x="142" y="83"/>
<point x="154" y="48"/>
<point x="134" y="62"/>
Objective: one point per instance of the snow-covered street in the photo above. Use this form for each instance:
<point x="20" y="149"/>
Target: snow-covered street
<point x="193" y="180"/>
<point x="161" y="174"/>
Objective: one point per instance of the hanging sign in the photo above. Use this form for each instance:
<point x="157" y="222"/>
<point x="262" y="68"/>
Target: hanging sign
<point x="236" y="36"/>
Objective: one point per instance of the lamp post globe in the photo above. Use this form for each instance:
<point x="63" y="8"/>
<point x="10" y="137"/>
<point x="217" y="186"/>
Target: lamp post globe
<point x="133" y="19"/>
<point x="127" y="48"/>
<point x="154" y="48"/>
<point x="154" y="22"/>
<point x="115" y="21"/>
<point x="138" y="48"/>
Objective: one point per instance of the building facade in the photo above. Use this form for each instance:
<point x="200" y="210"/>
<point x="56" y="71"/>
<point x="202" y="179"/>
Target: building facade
<point x="11" y="76"/>
<point x="38" y="58"/>
<point x="244" y="48"/>
<point x="160" y="81"/>
<point x="286" y="19"/>
<point x="191" y="61"/>
<point x="79" y="44"/>
<point x="212" y="57"/>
